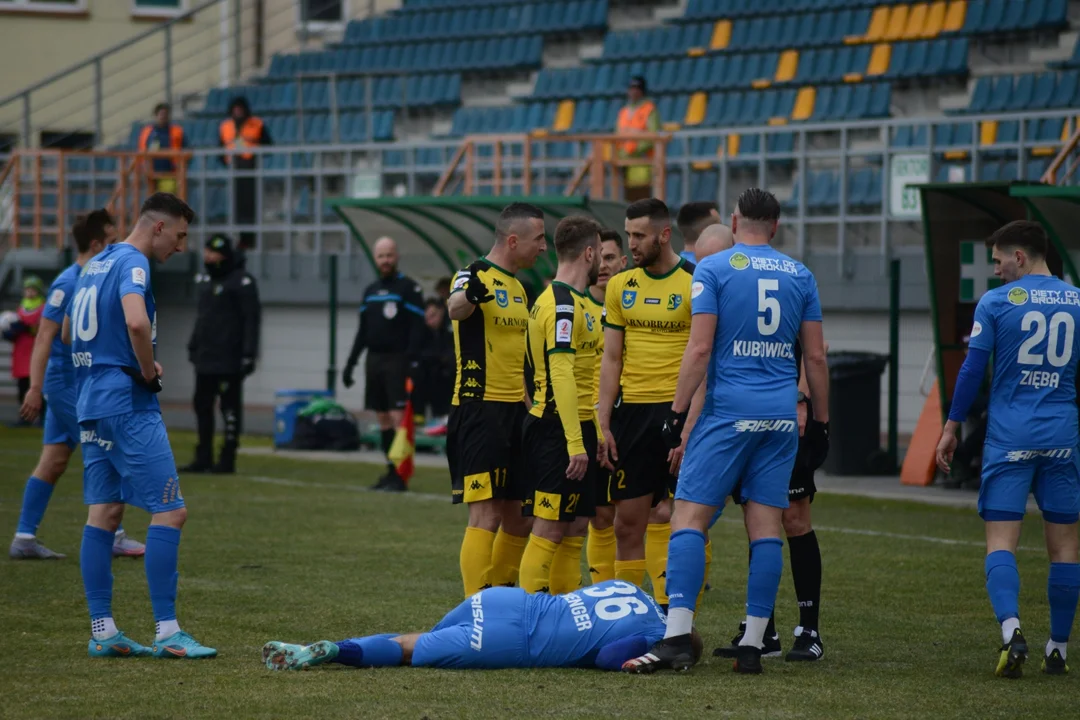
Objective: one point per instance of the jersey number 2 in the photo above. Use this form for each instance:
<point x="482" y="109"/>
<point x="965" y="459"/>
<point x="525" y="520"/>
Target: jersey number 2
<point x="616" y="608"/>
<point x="1058" y="321"/>
<point x="84" y="314"/>
<point x="768" y="307"/>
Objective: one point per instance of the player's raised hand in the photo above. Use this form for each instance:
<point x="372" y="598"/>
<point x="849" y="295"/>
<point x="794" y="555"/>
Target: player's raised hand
<point x="476" y="291"/>
<point x="577" y="467"/>
<point x="610" y="454"/>
<point x="945" y="449"/>
<point x="31" y="407"/>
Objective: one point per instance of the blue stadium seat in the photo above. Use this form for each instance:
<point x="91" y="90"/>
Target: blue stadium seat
<point x="999" y="96"/>
<point x="1013" y="16"/>
<point x="1022" y="93"/>
<point x="880" y="99"/>
<point x="1066" y="89"/>
<point x="1035" y="168"/>
<point x="956" y="62"/>
<point x="973" y="18"/>
<point x="994" y="17"/>
<point x="917" y="57"/>
<point x="860" y="102"/>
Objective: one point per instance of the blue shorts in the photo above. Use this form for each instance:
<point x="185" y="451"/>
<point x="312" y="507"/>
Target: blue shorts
<point x="486" y="632"/>
<point x="127" y="458"/>
<point x="751" y="457"/>
<point x="61" y="420"/>
<point x="1008" y="476"/>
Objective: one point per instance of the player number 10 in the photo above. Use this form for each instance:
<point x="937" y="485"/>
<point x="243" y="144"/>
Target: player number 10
<point x="84" y="314"/>
<point x="1037" y="320"/>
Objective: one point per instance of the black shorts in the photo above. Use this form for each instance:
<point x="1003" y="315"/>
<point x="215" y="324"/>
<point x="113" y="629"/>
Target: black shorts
<point x="603" y="482"/>
<point x="384" y="381"/>
<point x="483" y="447"/>
<point x="643" y="467"/>
<point x="552" y="496"/>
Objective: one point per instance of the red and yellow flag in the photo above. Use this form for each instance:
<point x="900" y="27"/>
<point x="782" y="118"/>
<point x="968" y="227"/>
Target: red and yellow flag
<point x="403" y="448"/>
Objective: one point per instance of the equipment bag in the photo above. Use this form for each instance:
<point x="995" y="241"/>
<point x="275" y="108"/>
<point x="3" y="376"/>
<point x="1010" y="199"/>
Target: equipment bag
<point x="325" y="425"/>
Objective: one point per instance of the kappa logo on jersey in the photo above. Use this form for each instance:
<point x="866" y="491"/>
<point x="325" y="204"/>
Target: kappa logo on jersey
<point x="696" y="289"/>
<point x="632" y="282"/>
<point x="476" y="485"/>
<point x="472" y="365"/>
<point x="502" y="298"/>
<point x="1018" y="296"/>
<point x="629" y="297"/>
<point x="764" y="425"/>
<point x="1021" y="455"/>
<point x="57" y="298"/>
<point x="497" y="282"/>
<point x="138" y="276"/>
<point x="545" y="503"/>
<point x="674" y="301"/>
<point x="739" y="261"/>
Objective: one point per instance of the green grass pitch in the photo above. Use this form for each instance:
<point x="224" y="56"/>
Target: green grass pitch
<point x="298" y="551"/>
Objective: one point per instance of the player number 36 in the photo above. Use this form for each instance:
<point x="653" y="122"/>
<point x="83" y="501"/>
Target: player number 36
<point x="615" y="608"/>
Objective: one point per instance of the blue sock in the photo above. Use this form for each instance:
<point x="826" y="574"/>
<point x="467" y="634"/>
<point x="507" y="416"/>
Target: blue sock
<point x="370" y="651"/>
<point x="162" y="549"/>
<point x="766" y="564"/>
<point x="35" y="500"/>
<point x="685" y="568"/>
<point x="95" y="561"/>
<point x="1003" y="584"/>
<point x="1063" y="590"/>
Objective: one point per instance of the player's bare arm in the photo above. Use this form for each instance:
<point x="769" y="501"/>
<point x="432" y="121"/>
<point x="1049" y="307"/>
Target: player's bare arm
<point x="695" y="362"/>
<point x="459" y="307"/>
<point x="611" y="365"/>
<point x="65" y="330"/>
<point x="139" y="331"/>
<point x="47" y="331"/>
<point x="816" y="368"/>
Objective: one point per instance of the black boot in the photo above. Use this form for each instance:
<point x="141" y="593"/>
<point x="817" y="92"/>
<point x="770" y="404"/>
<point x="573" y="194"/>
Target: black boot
<point x="201" y="464"/>
<point x="226" y="464"/>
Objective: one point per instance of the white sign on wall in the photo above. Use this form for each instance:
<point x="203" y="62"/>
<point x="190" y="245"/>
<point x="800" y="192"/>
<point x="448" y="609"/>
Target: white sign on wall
<point x="907" y="170"/>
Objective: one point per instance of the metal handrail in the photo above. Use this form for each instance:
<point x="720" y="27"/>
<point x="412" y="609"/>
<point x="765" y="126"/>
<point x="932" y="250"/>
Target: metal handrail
<point x="1050" y="176"/>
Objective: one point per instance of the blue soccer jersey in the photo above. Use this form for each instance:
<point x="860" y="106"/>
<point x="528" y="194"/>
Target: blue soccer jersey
<point x="1030" y="328"/>
<point x="761" y="298"/>
<point x="59" y="373"/>
<point x="100" y="345"/>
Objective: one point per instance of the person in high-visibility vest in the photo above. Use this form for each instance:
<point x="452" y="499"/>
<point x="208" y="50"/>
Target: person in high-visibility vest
<point x="239" y="131"/>
<point x="162" y="135"/>
<point x="639" y="115"/>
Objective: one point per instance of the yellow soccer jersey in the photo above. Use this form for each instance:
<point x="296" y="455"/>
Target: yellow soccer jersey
<point x="563" y="321"/>
<point x="490" y="343"/>
<point x="596" y="307"/>
<point x="654" y="314"/>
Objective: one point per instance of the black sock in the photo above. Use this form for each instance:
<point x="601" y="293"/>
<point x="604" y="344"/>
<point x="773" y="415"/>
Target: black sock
<point x="770" y="629"/>
<point x="806" y="572"/>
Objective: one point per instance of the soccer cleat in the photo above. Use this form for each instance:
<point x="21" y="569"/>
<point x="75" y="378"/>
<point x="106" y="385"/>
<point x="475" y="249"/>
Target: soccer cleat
<point x="285" y="656"/>
<point x="807" y="646"/>
<point x="675" y="653"/>
<point x="1013" y="654"/>
<point x="118" y="646"/>
<point x="32" y="549"/>
<point x="123" y="546"/>
<point x="1054" y="664"/>
<point x="182" y="645"/>
<point x="390" y="482"/>
<point x="748" y="660"/>
<point x="772" y="645"/>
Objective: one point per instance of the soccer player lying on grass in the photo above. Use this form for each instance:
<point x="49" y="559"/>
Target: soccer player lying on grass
<point x="602" y="626"/>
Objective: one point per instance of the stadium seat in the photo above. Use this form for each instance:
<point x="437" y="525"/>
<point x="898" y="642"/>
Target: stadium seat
<point x="1066" y="89"/>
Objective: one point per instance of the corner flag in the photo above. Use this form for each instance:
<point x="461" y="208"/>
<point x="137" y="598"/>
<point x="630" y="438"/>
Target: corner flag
<point x="404" y="446"/>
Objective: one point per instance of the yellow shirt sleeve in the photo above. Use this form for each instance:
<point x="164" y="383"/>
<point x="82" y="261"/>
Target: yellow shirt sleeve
<point x="613" y="315"/>
<point x="559" y="334"/>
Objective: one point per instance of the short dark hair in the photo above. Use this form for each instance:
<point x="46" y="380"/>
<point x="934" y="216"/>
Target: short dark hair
<point x="514" y="213"/>
<point x="162" y="106"/>
<point x="1023" y="235"/>
<point x="435" y="302"/>
<point x="760" y="205"/>
<point x="607" y="235"/>
<point x="443" y="282"/>
<point x="167" y="204"/>
<point x="241" y="102"/>
<point x="652" y="208"/>
<point x="573" y="234"/>
<point x="694" y="217"/>
<point x="90" y="227"/>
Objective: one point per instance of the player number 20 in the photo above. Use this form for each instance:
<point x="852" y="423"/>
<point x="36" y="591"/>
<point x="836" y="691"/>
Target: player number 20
<point x="1058" y="322"/>
<point x="768" y="321"/>
<point x="84" y="314"/>
<point x="613" y="607"/>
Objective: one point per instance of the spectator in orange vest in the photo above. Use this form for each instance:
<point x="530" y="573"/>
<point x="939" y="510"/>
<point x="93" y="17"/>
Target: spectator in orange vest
<point x="239" y="131"/>
<point x="162" y="135"/>
<point x="639" y="115"/>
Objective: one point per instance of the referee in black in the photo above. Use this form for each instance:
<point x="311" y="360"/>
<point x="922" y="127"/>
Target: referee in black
<point x="392" y="331"/>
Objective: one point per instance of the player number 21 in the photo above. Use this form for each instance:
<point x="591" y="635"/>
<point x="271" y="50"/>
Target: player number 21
<point x="1058" y="322"/>
<point x="768" y="321"/>
<point x="84" y="314"/>
<point x="615" y="608"/>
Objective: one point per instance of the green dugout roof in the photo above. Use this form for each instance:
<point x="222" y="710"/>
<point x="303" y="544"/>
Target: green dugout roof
<point x="438" y="235"/>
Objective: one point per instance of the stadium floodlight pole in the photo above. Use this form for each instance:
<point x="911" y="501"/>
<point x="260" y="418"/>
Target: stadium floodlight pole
<point x="331" y="370"/>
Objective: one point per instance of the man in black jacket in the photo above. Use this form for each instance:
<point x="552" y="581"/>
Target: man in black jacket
<point x="392" y="331"/>
<point x="223" y="348"/>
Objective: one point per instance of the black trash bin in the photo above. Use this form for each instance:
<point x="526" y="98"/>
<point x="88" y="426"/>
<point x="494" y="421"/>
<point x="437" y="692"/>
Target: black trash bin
<point x="854" y="412"/>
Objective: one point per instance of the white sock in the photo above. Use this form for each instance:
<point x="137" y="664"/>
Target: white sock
<point x="1007" y="629"/>
<point x="1051" y="646"/>
<point x="680" y="621"/>
<point x="24" y="536"/>
<point x="166" y="628"/>
<point x="103" y="628"/>
<point x="755" y="631"/>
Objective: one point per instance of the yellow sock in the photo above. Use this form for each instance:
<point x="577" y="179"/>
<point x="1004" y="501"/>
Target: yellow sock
<point x="566" y="566"/>
<point x="600" y="552"/>
<point x="506" y="559"/>
<point x="631" y="571"/>
<point x="536" y="565"/>
<point x="475" y="558"/>
<point x="656" y="544"/>
<point x="708" y="564"/>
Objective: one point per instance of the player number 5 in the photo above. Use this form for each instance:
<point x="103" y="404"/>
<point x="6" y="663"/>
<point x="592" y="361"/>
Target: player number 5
<point x="768" y="321"/>
<point x="84" y="314"/>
